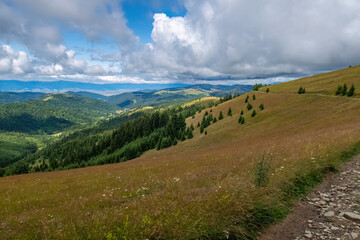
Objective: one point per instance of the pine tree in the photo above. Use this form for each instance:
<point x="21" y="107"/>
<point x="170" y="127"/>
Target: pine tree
<point x="229" y="112"/>
<point x="303" y="91"/>
<point x="249" y="106"/>
<point x="198" y="125"/>
<point x="240" y="119"/>
<point x="351" y="91"/>
<point x="267" y="90"/>
<point x="221" y="116"/>
<point x="190" y="134"/>
<point x="261" y="106"/>
<point x="242" y="112"/>
<point x="205" y="132"/>
<point x="214" y="120"/>
<point x="247" y="99"/>
<point x="201" y="128"/>
<point x="243" y="120"/>
<point x="344" y="90"/>
<point x="254" y="97"/>
<point x="300" y="91"/>
<point x="253" y="113"/>
<point x="338" y="90"/>
<point x="192" y="127"/>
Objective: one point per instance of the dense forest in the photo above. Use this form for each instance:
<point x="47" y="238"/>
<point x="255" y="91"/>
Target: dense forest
<point x="52" y="113"/>
<point x="115" y="140"/>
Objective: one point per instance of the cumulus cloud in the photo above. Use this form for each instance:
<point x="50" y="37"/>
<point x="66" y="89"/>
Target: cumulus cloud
<point x="226" y="40"/>
<point x="12" y="61"/>
<point x="245" y="39"/>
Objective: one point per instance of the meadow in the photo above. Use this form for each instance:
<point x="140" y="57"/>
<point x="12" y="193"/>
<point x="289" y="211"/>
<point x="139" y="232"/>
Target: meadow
<point x="204" y="187"/>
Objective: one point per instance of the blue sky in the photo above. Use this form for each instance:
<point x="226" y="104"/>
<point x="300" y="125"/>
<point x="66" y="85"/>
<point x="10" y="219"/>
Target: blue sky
<point x="179" y="41"/>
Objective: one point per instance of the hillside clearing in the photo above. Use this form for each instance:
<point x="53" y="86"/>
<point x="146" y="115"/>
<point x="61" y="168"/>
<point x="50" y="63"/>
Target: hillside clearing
<point x="202" y="188"/>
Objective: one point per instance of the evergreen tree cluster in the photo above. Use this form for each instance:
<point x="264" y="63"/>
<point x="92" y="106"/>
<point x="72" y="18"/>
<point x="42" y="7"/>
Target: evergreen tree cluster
<point x="226" y="98"/>
<point x="343" y="90"/>
<point x="129" y="140"/>
<point x="301" y="90"/>
<point x="206" y="121"/>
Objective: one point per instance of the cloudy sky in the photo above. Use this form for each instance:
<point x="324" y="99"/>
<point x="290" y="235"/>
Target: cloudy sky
<point x="182" y="41"/>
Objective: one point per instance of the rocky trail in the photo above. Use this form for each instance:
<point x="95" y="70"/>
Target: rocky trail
<point x="330" y="211"/>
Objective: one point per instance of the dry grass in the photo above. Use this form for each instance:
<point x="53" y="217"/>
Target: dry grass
<point x="201" y="188"/>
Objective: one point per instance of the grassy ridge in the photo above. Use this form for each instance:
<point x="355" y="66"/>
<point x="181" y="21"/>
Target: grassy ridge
<point x="202" y="188"/>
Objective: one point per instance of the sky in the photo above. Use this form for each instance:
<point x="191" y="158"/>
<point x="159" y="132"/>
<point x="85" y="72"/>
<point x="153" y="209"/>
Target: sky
<point x="178" y="41"/>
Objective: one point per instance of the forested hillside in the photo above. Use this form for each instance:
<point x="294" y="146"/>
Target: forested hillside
<point x="11" y="97"/>
<point x="52" y="113"/>
<point x="115" y="140"/>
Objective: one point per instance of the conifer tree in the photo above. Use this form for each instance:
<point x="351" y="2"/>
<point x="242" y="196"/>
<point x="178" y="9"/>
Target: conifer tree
<point x="240" y="118"/>
<point x="247" y="99"/>
<point x="249" y="106"/>
<point x="300" y="91"/>
<point x="221" y="116"/>
<point x="229" y="112"/>
<point x="261" y="106"/>
<point x="253" y="113"/>
<point x="242" y="112"/>
<point x="253" y="96"/>
<point x="243" y="120"/>
<point x="351" y="91"/>
<point x="338" y="90"/>
<point x="214" y="120"/>
<point x="344" y="89"/>
<point x="201" y="128"/>
<point x="267" y="90"/>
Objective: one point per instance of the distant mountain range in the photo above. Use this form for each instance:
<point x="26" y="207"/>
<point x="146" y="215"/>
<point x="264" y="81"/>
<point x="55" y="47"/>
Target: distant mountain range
<point x="130" y="99"/>
<point x="65" y="86"/>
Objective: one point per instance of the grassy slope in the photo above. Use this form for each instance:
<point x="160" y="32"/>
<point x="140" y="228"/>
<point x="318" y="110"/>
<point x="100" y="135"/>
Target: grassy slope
<point x="201" y="188"/>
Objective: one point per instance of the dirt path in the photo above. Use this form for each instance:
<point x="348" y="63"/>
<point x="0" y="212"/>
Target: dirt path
<point x="330" y="211"/>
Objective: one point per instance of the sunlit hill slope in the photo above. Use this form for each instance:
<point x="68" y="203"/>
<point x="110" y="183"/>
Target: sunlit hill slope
<point x="204" y="187"/>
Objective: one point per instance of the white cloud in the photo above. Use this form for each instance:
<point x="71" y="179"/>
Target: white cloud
<point x="241" y="39"/>
<point x="13" y="61"/>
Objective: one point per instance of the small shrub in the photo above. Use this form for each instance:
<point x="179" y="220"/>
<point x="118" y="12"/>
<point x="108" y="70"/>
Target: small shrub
<point x="267" y="90"/>
<point x="254" y="97"/>
<point x="261" y="107"/>
<point x="240" y="118"/>
<point x="247" y="99"/>
<point x="253" y="114"/>
<point x="249" y="106"/>
<point x="242" y="112"/>
<point x="205" y="132"/>
<point x="262" y="169"/>
<point x="229" y="112"/>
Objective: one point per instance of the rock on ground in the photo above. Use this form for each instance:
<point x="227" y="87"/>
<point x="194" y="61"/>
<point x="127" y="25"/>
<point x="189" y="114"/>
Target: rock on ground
<point x="330" y="211"/>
